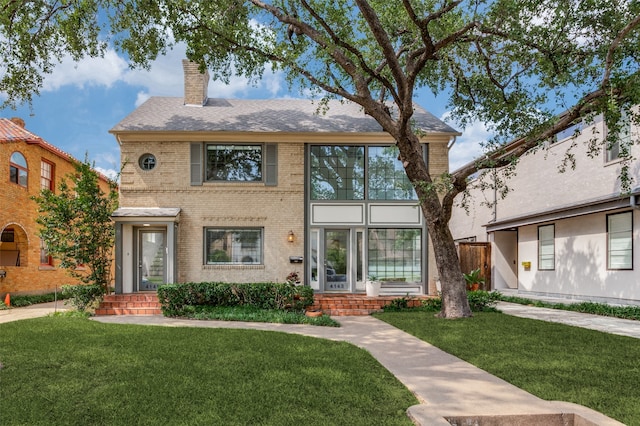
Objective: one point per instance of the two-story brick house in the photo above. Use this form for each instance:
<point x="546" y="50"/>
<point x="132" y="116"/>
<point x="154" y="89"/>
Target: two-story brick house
<point x="251" y="190"/>
<point x="27" y="164"/>
<point x="573" y="234"/>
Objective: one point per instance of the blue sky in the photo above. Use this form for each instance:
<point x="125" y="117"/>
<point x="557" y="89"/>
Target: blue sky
<point x="80" y="102"/>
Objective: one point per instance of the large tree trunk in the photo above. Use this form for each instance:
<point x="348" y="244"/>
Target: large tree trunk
<point x="454" y="294"/>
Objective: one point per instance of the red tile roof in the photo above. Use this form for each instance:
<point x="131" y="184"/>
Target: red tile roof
<point x="13" y="132"/>
<point x="10" y="131"/>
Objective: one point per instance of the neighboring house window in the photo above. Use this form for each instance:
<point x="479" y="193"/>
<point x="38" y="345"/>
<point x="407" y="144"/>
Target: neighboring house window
<point x="233" y="163"/>
<point x="572" y="131"/>
<point x="46" y="175"/>
<point x="7" y="236"/>
<point x="18" y="169"/>
<point x="546" y="248"/>
<point x="147" y="162"/>
<point x="612" y="148"/>
<point x="45" y="258"/>
<point x="620" y="241"/>
<point x="386" y="177"/>
<point x="233" y="246"/>
<point x="395" y="254"/>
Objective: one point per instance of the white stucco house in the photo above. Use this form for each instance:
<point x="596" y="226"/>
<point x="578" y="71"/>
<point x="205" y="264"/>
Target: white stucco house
<point x="574" y="235"/>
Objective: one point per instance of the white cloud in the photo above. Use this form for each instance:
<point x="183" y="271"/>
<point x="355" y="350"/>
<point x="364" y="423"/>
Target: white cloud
<point x="164" y="78"/>
<point x="468" y="146"/>
<point x="103" y="71"/>
<point x="110" y="173"/>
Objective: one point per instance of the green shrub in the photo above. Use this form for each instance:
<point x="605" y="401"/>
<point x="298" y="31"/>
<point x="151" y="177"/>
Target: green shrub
<point x="175" y="299"/>
<point x="483" y="301"/>
<point x="83" y="297"/>
<point x="19" y="301"/>
<point x="479" y="301"/>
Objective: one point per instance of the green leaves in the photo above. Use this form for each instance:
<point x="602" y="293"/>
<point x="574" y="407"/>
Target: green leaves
<point x="75" y="224"/>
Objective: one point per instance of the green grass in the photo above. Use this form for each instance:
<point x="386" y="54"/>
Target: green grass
<point x="626" y="312"/>
<point x="253" y="314"/>
<point x="552" y="361"/>
<point x="71" y="371"/>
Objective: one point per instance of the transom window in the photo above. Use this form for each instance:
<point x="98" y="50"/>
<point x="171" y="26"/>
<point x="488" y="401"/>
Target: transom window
<point x="350" y="172"/>
<point x="18" y="169"/>
<point x="233" y="246"/>
<point x="46" y="175"/>
<point x="620" y="241"/>
<point x="546" y="248"/>
<point x="237" y="163"/>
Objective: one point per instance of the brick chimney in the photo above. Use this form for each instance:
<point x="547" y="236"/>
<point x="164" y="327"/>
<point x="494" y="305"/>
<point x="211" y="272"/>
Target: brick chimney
<point x="196" y="84"/>
<point x="17" y="120"/>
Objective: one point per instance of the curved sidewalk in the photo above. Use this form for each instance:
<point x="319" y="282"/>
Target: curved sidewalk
<point x="446" y="386"/>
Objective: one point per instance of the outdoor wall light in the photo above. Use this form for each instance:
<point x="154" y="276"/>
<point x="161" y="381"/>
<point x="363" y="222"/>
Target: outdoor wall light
<point x="3" y="274"/>
<point x="291" y="237"/>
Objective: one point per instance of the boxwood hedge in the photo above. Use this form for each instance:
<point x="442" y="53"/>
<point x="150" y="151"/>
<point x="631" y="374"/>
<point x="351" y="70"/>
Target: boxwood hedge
<point x="174" y="298"/>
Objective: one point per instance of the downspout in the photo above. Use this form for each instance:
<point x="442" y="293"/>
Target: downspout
<point x="452" y="142"/>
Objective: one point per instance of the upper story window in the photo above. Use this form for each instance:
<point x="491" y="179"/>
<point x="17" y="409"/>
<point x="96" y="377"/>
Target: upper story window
<point x="46" y="175"/>
<point x="233" y="163"/>
<point x="147" y="162"/>
<point x="621" y="139"/>
<point x="570" y="132"/>
<point x="387" y="179"/>
<point x="337" y="172"/>
<point x="18" y="169"/>
<point x="358" y="172"/>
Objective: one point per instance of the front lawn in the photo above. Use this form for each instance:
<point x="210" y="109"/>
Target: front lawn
<point x="552" y="361"/>
<point x="72" y="371"/>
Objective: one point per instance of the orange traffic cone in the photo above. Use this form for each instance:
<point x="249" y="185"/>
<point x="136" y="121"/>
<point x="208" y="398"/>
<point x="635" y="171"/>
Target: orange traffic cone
<point x="7" y="300"/>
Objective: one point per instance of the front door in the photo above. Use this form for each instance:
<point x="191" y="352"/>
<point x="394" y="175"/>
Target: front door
<point x="336" y="260"/>
<point x="152" y="259"/>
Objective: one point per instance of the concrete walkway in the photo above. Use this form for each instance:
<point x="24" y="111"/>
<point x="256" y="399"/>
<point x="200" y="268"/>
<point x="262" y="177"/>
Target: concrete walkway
<point x="446" y="386"/>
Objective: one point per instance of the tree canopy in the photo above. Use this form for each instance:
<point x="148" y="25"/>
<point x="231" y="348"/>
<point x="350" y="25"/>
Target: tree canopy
<point x="512" y="64"/>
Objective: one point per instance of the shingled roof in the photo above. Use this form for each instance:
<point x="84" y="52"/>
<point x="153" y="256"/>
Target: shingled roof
<point x="264" y="115"/>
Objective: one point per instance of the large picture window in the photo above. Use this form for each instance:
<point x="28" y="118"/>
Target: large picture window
<point x="395" y="254"/>
<point x="233" y="163"/>
<point x="386" y="177"/>
<point x="357" y="172"/>
<point x="620" y="241"/>
<point x="546" y="248"/>
<point x="233" y="246"/>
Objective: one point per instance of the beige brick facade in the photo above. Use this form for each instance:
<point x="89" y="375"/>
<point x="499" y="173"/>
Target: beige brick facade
<point x="174" y="201"/>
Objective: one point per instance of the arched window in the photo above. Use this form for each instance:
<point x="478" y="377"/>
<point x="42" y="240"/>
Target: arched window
<point x="18" y="169"/>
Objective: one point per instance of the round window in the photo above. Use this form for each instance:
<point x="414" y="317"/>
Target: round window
<point x="147" y="161"/>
